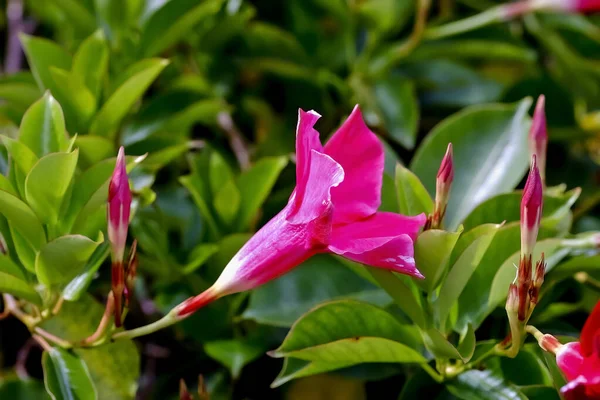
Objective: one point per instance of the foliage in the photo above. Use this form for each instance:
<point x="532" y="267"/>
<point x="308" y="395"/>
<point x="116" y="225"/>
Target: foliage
<point x="204" y="97"/>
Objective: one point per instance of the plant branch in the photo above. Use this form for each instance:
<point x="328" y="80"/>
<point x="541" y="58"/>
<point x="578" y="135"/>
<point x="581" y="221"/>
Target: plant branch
<point x="170" y="319"/>
<point x="104" y="322"/>
<point x="236" y="140"/>
<point x="52" y="338"/>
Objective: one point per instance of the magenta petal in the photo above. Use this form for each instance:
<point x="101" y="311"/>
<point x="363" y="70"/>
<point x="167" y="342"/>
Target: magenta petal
<point x="591" y="331"/>
<point x="570" y="359"/>
<point x="323" y="175"/>
<point x="384" y="240"/>
<point x="307" y="139"/>
<point x="360" y="153"/>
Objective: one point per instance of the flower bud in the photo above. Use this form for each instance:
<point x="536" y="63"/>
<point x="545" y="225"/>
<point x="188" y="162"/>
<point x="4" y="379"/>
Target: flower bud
<point x="549" y="343"/>
<point x="531" y="210"/>
<point x="119" y="207"/>
<point x="538" y="137"/>
<point x="444" y="179"/>
<point x="518" y="8"/>
<point x="512" y="300"/>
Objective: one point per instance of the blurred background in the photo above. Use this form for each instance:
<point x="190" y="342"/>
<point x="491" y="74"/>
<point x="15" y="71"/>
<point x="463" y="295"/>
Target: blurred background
<point x="225" y="102"/>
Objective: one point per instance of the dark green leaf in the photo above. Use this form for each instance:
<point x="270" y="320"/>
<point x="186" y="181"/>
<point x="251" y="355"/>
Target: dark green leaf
<point x="234" y="354"/>
<point x="66" y="376"/>
<point x="483" y="385"/>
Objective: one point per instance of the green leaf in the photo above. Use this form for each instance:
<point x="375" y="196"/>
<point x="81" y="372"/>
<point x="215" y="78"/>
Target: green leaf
<point x="490" y="154"/>
<point x="439" y="346"/>
<point x="43" y="54"/>
<point x="48" y="182"/>
<point x="318" y="279"/>
<point x="474" y="49"/>
<point x="466" y="346"/>
<point x="483" y="385"/>
<point x="20" y="153"/>
<point x="507" y="271"/>
<point x="255" y="184"/>
<point x="433" y="264"/>
<point x="507" y="207"/>
<point x="572" y="266"/>
<point x="294" y="368"/>
<point x="22" y="219"/>
<point x="386" y="15"/>
<point x="114" y="367"/>
<point x="526" y="360"/>
<point x="43" y="127"/>
<point x="397" y="104"/>
<point x="173" y="22"/>
<point x="90" y="63"/>
<point x="344" y="319"/>
<point x="199" y="255"/>
<point x="234" y="354"/>
<point x="227" y="202"/>
<point x="19" y="94"/>
<point x="78" y="285"/>
<point x="77" y="15"/>
<point x="76" y="99"/>
<point x="219" y="172"/>
<point x="461" y="271"/>
<point x="66" y="376"/>
<point x="413" y="198"/>
<point x="62" y="259"/>
<point x="12" y="281"/>
<point x="94" y="149"/>
<point x="22" y="389"/>
<point x="111" y="114"/>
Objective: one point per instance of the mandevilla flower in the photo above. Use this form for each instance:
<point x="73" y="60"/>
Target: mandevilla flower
<point x="119" y="206"/>
<point x="443" y="183"/>
<point x="579" y="361"/>
<point x="538" y="137"/>
<point x="512" y="10"/>
<point x="333" y="209"/>
<point x="531" y="209"/>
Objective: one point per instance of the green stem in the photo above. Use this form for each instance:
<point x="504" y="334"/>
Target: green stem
<point x="488" y="17"/>
<point x="534" y="331"/>
<point x="432" y="372"/>
<point x="168" y="320"/>
<point x="52" y="338"/>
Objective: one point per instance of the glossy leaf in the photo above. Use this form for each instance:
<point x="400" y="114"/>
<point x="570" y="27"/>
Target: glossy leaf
<point x="75" y="97"/>
<point x="78" y="285"/>
<point x="490" y="154"/>
<point x="48" y="182"/>
<point x="43" y="54"/>
<point x="43" y="127"/>
<point x="62" y="259"/>
<point x="66" y="376"/>
<point x="22" y="219"/>
<point x="13" y="281"/>
<point x="300" y="290"/>
<point x="433" y="264"/>
<point x="90" y="62"/>
<point x="483" y="385"/>
<point x="109" y="117"/>
<point x="413" y="198"/>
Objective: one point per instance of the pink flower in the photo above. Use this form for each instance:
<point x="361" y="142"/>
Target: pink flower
<point x="538" y="136"/>
<point x="583" y="5"/>
<point x="333" y="209"/>
<point x="443" y="184"/>
<point x="580" y="361"/>
<point x="531" y="209"/>
<point x="119" y="207"/>
<point x="516" y="9"/>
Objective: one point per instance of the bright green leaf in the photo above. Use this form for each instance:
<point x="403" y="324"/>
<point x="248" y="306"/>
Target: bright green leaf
<point x="22" y="219"/>
<point x="413" y="198"/>
<point x="43" y="127"/>
<point x="90" y="63"/>
<point x="433" y="264"/>
<point x="43" y="54"/>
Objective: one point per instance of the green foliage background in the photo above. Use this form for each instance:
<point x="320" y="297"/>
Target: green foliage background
<point x="209" y="91"/>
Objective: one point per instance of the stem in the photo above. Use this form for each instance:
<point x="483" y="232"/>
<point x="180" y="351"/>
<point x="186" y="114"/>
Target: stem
<point x="433" y="373"/>
<point x="534" y="331"/>
<point x="585" y="279"/>
<point x="12" y="306"/>
<point x="54" y="339"/>
<point x="45" y="345"/>
<point x="488" y="17"/>
<point x="236" y="140"/>
<point x="58" y="305"/>
<point x="104" y="322"/>
<point x="170" y="319"/>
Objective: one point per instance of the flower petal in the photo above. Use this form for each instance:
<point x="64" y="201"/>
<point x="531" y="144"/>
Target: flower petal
<point x="570" y="359"/>
<point x="322" y="175"/>
<point x="360" y="153"/>
<point x="590" y="330"/>
<point x="307" y="139"/>
<point x="383" y="240"/>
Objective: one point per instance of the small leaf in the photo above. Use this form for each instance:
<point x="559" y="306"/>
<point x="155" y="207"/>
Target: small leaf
<point x="433" y="264"/>
<point x="12" y="281"/>
<point x="66" y="376"/>
<point x="43" y="54"/>
<point x="111" y="114"/>
<point x="48" y="182"/>
<point x="22" y="219"/>
<point x="199" y="255"/>
<point x="234" y="354"/>
<point x="62" y="259"/>
<point x="413" y="198"/>
<point x="43" y="127"/>
<point x="227" y="202"/>
<point x="90" y="63"/>
<point x="483" y="385"/>
<point x="74" y="97"/>
<point x="255" y="184"/>
<point x="23" y="157"/>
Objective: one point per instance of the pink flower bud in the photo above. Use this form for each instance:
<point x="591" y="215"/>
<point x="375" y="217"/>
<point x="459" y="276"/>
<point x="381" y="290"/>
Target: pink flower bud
<point x="538" y="137"/>
<point x="119" y="207"/>
<point x="531" y="210"/>
<point x="443" y="183"/>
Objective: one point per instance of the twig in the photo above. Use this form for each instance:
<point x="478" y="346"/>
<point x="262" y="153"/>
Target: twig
<point x="42" y="342"/>
<point x="236" y="140"/>
<point x="58" y="305"/>
<point x="54" y="339"/>
<point x="22" y="356"/>
<point x="104" y="322"/>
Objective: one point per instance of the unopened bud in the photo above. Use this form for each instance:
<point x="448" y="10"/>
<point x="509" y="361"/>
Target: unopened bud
<point x="443" y="184"/>
<point x="119" y="207"/>
<point x="512" y="300"/>
<point x="549" y="343"/>
<point x="538" y="137"/>
<point x="531" y="209"/>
